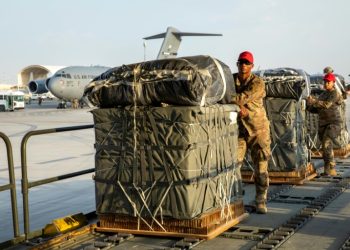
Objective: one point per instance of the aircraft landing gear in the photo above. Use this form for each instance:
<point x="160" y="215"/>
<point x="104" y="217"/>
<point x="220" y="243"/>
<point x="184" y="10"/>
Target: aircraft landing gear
<point x="62" y="105"/>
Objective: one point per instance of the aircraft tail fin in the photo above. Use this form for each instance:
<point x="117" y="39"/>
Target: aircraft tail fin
<point x="172" y="40"/>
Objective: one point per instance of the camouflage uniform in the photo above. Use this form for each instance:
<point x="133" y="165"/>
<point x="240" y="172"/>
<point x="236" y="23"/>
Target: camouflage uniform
<point x="254" y="130"/>
<point x="329" y="123"/>
<point x="75" y="103"/>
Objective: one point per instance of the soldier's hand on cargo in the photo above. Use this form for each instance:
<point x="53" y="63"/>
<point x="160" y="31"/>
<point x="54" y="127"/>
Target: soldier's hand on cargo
<point x="244" y="112"/>
<point x="310" y="100"/>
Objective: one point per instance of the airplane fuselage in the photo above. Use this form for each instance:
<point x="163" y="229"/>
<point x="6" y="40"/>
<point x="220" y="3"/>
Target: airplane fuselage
<point x="69" y="83"/>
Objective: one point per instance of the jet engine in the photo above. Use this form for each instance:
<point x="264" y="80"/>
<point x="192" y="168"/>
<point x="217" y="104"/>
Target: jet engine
<point x="38" y="86"/>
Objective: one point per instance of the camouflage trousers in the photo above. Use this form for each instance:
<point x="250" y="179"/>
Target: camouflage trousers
<point x="326" y="134"/>
<point x="75" y="104"/>
<point x="260" y="152"/>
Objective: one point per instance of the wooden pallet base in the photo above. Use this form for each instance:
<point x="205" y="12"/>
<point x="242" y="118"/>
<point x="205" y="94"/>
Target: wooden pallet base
<point x="342" y="153"/>
<point x="207" y="226"/>
<point x="297" y="177"/>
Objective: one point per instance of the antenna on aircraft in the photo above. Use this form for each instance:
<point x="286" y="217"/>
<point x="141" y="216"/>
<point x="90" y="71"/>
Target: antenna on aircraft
<point x="172" y="40"/>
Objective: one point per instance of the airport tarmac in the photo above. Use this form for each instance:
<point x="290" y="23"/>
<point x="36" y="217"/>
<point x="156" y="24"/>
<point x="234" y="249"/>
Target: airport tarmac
<point x="48" y="156"/>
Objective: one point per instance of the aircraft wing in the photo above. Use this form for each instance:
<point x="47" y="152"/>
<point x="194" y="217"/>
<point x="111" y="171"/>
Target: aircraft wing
<point x="195" y="34"/>
<point x="161" y="35"/>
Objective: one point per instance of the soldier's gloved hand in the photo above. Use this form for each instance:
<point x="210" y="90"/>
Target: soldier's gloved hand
<point x="244" y="112"/>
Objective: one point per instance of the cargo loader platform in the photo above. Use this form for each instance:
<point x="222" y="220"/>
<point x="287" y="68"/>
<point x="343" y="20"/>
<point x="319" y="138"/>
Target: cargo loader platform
<point x="294" y="212"/>
<point x="296" y="177"/>
<point x="341" y="153"/>
<point x="207" y="226"/>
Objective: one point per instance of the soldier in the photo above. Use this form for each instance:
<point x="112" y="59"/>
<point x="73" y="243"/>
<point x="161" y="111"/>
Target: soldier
<point x="75" y="103"/>
<point x="40" y="100"/>
<point x="339" y="84"/>
<point x="327" y="106"/>
<point x="254" y="127"/>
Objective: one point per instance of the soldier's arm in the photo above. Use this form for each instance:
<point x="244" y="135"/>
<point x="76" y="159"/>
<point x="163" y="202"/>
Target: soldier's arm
<point x="322" y="104"/>
<point x="340" y="99"/>
<point x="255" y="92"/>
<point x="326" y="104"/>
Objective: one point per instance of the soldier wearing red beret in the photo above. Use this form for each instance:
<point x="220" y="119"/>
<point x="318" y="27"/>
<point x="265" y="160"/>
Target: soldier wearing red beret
<point x="327" y="105"/>
<point x="254" y="127"/>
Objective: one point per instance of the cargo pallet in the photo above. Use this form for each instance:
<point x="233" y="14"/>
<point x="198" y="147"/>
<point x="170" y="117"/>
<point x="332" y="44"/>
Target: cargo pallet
<point x="342" y="153"/>
<point x="207" y="226"/>
<point x="297" y="177"/>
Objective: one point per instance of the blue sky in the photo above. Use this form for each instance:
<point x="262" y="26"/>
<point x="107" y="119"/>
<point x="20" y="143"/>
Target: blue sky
<point x="295" y="33"/>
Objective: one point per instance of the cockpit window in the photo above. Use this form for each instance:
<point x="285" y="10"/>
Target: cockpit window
<point x="64" y="75"/>
<point x="69" y="76"/>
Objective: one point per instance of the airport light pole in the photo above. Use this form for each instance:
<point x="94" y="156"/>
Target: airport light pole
<point x="144" y="50"/>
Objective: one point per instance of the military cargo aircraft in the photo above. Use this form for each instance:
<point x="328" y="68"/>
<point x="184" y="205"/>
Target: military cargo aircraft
<point x="68" y="83"/>
<point x="172" y="39"/>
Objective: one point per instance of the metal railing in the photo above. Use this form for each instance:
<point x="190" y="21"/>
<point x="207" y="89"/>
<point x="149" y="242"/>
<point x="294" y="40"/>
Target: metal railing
<point x="12" y="185"/>
<point x="26" y="185"/>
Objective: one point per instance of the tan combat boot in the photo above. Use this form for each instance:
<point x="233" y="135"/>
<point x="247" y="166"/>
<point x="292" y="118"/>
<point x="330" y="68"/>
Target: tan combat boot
<point x="325" y="171"/>
<point x="332" y="172"/>
<point x="261" y="208"/>
<point x="329" y="170"/>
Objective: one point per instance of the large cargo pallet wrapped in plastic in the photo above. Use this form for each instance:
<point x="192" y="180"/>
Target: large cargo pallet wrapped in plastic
<point x="288" y="135"/>
<point x="290" y="157"/>
<point x="285" y="108"/>
<point x="158" y="162"/>
<point x="193" y="81"/>
<point x="286" y="83"/>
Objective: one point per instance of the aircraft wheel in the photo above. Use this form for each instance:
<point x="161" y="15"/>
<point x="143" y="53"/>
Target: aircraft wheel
<point x="61" y="105"/>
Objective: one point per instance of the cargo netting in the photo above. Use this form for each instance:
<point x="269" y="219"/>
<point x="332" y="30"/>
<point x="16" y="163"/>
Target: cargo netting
<point x="166" y="162"/>
<point x="188" y="81"/>
<point x="285" y="108"/>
